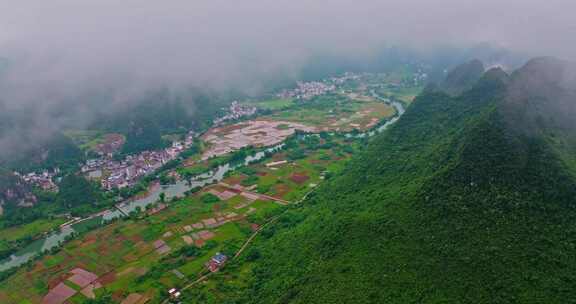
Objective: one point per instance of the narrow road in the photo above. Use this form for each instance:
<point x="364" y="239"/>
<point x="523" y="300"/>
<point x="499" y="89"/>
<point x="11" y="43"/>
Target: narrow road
<point x="245" y="245"/>
<point x="262" y="196"/>
<point x="249" y="240"/>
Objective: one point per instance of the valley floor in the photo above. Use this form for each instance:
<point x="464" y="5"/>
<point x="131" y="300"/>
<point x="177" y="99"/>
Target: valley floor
<point x="175" y="245"/>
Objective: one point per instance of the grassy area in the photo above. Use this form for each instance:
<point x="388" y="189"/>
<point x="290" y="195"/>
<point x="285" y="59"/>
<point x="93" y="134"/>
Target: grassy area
<point x="274" y="104"/>
<point x="336" y="112"/>
<point x="18" y="235"/>
<point x="125" y="249"/>
<point x="448" y="206"/>
<point x="239" y="274"/>
<point x="30" y="230"/>
<point x="405" y="94"/>
<point x="86" y="139"/>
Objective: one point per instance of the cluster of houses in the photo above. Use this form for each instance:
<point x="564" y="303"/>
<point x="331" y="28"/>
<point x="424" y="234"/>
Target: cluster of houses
<point x="115" y="174"/>
<point x="339" y="80"/>
<point x="44" y="180"/>
<point x="236" y="111"/>
<point x="308" y="90"/>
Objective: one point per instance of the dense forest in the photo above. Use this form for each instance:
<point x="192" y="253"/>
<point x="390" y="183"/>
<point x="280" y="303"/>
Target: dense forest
<point x="453" y="204"/>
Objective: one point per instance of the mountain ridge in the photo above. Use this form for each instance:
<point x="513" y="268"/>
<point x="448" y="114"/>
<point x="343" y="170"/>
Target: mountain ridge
<point x="451" y="204"/>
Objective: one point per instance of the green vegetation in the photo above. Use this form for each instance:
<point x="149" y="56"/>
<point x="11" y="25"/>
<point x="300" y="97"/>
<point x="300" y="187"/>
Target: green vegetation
<point x="125" y="248"/>
<point x="209" y="198"/>
<point x="274" y="104"/>
<point x="85" y="139"/>
<point x="57" y="152"/>
<point x="449" y="206"/>
<point x="335" y="111"/>
<point x="76" y="191"/>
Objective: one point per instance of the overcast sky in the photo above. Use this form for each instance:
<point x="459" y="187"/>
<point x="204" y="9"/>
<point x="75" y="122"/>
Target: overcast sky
<point x="66" y="42"/>
<point x="58" y="48"/>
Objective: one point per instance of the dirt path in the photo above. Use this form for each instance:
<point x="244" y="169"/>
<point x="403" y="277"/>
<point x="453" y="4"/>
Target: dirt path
<point x="245" y="245"/>
<point x="261" y="196"/>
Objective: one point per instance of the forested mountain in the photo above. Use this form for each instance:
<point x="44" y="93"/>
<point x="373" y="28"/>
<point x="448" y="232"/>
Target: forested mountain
<point x="463" y="77"/>
<point x="13" y="190"/>
<point x="57" y="151"/>
<point x="467" y="199"/>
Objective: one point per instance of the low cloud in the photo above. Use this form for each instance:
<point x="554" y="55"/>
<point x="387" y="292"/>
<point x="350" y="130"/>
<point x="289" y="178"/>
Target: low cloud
<point x="63" y="49"/>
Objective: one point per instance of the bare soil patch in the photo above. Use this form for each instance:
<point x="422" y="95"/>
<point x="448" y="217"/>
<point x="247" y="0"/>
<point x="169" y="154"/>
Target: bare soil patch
<point x="107" y="278"/>
<point x="281" y="189"/>
<point x="299" y="178"/>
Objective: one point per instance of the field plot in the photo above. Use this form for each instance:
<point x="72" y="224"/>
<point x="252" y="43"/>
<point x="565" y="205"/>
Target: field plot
<point x="97" y="141"/>
<point x="292" y="173"/>
<point x="337" y="113"/>
<point x="143" y="255"/>
<point x="273" y="104"/>
<point x="282" y="176"/>
<point x="404" y="94"/>
<point x="254" y="133"/>
<point x="28" y="231"/>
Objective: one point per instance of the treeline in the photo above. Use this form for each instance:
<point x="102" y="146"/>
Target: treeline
<point x="449" y="205"/>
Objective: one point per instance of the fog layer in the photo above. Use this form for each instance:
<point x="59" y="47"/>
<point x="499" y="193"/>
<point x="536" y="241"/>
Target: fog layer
<point x="60" y="49"/>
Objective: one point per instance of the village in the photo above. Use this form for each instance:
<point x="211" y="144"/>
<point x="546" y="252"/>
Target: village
<point x="114" y="174"/>
<point x="213" y="225"/>
<point x="117" y="174"/>
<point x="307" y="90"/>
<point x="43" y="180"/>
<point x="234" y="112"/>
<point x="163" y="250"/>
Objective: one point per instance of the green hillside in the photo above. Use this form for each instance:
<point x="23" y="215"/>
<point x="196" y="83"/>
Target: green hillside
<point x="451" y="205"/>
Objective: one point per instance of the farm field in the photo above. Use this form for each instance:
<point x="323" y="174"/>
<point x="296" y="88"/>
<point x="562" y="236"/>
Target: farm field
<point x="126" y="257"/>
<point x="290" y="179"/>
<point x="29" y="230"/>
<point x="406" y="95"/>
<point x="293" y="178"/>
<point x="140" y="257"/>
<point x="150" y="252"/>
<point x="85" y="139"/>
<point x="337" y="112"/>
<point x="96" y="141"/>
<point x="273" y="104"/>
<point x="25" y="233"/>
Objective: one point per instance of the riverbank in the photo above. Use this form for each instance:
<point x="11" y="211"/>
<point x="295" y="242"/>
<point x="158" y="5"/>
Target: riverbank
<point x="152" y="196"/>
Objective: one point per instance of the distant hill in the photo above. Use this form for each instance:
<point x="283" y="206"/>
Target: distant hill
<point x="463" y="77"/>
<point x="57" y="151"/>
<point x="467" y="199"/>
<point x="13" y="190"/>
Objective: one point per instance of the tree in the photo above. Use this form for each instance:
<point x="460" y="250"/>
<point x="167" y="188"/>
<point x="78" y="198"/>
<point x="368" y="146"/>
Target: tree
<point x="162" y="196"/>
<point x="188" y="178"/>
<point x="209" y="198"/>
<point x="76" y="191"/>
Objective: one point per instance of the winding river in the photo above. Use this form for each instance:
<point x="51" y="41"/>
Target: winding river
<point x="178" y="189"/>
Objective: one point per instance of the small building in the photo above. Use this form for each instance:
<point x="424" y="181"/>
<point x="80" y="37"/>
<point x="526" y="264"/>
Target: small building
<point x="216" y="262"/>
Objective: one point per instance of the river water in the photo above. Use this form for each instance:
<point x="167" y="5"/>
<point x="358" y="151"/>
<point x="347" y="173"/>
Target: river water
<point x="175" y="190"/>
